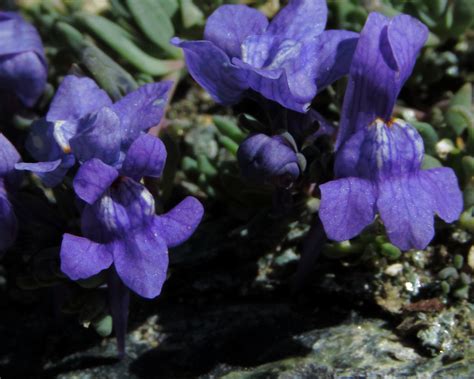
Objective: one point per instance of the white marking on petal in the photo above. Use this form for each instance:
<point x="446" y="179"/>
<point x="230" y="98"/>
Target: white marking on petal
<point x="288" y="48"/>
<point x="60" y="136"/>
<point x="148" y="198"/>
<point x="382" y="150"/>
<point x="107" y="209"/>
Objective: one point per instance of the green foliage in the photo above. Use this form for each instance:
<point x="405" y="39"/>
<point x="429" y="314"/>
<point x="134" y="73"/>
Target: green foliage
<point x="153" y="18"/>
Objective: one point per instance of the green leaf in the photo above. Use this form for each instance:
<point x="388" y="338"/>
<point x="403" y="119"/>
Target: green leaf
<point x="429" y="135"/>
<point x="230" y="145"/>
<point x="205" y="166"/>
<point x="170" y="6"/>
<point x="189" y="165"/>
<point x="468" y="166"/>
<point x="448" y="17"/>
<point x="116" y="38"/>
<point x="437" y="7"/>
<point x="430" y="162"/>
<point x="103" y="326"/>
<point x="390" y="251"/>
<point x="463" y="16"/>
<point x="229" y="128"/>
<point x="108" y="74"/>
<point x="191" y="15"/>
<point x="463" y="96"/>
<point x="155" y="23"/>
<point x="468" y="196"/>
<point x="459" y="118"/>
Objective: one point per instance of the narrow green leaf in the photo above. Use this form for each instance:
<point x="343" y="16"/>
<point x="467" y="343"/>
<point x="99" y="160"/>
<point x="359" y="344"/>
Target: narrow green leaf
<point x="155" y="23"/>
<point x="437" y="7"/>
<point x="109" y="75"/>
<point x="459" y="118"/>
<point x="463" y="16"/>
<point x="429" y="135"/>
<point x="191" y="15"/>
<point x="115" y="37"/>
<point x="463" y="96"/>
<point x="468" y="166"/>
<point x="430" y="162"/>
<point x="170" y="6"/>
<point x="229" y="144"/>
<point x="229" y="128"/>
<point x="390" y="251"/>
<point x="205" y="166"/>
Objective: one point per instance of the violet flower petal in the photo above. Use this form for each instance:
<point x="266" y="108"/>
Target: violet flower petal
<point x="18" y="36"/>
<point x="93" y="178"/>
<point x="51" y="173"/>
<point x="442" y="185"/>
<point x="141" y="261"/>
<point x="347" y="207"/>
<point x="266" y="159"/>
<point x="25" y="74"/>
<point x="41" y="143"/>
<point x="291" y="86"/>
<point x="177" y="225"/>
<point x="39" y="167"/>
<point x="229" y="25"/>
<point x="125" y="207"/>
<point x="300" y="19"/>
<point x="81" y="258"/>
<point x="93" y="228"/>
<point x="145" y="157"/>
<point x="382" y="62"/>
<point x="23" y="69"/>
<point x="98" y="136"/>
<point x="213" y="70"/>
<point x="407" y="212"/>
<point x="8" y="157"/>
<point x="75" y="98"/>
<point x="142" y="109"/>
<point x="335" y="49"/>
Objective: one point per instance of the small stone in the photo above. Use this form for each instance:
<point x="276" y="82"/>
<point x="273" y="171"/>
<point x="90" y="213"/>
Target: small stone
<point x="394" y="270"/>
<point x="444" y="147"/>
<point x="470" y="258"/>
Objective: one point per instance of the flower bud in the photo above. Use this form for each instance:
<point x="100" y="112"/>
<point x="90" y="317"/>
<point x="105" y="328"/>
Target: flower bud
<point x="268" y="159"/>
<point x="23" y="69"/>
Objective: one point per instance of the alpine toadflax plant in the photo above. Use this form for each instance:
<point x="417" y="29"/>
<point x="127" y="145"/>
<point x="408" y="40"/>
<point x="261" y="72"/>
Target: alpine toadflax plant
<point x="287" y="60"/>
<point x="378" y="162"/>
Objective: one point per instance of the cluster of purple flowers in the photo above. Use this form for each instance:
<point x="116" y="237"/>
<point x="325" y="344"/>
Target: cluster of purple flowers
<point x="378" y="158"/>
<point x="283" y="64"/>
<point x="109" y="142"/>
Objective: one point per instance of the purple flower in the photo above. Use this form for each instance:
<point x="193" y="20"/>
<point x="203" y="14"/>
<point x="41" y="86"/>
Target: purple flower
<point x="378" y="161"/>
<point x="288" y="60"/>
<point x="23" y="69"/>
<point x="270" y="160"/>
<point x="275" y="159"/>
<point x="119" y="222"/>
<point x="8" y="182"/>
<point x="83" y="123"/>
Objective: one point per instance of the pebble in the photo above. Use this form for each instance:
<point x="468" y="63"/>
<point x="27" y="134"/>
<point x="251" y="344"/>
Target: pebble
<point x="394" y="270"/>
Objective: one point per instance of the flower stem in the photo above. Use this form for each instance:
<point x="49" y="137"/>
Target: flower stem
<point x="119" y="299"/>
